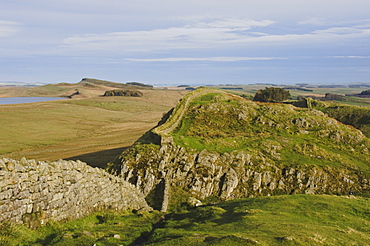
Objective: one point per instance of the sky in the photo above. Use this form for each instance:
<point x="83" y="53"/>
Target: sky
<point x="171" y="42"/>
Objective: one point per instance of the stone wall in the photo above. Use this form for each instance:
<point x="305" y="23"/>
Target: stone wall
<point x="34" y="192"/>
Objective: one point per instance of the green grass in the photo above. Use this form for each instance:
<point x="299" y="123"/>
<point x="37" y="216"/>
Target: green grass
<point x="98" y="228"/>
<point x="221" y="123"/>
<point x="358" y="117"/>
<point x="277" y="220"/>
<point x="250" y="90"/>
<point x="203" y="99"/>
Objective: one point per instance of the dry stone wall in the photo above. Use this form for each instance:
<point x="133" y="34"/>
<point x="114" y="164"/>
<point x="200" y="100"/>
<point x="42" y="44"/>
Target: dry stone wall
<point x="33" y="192"/>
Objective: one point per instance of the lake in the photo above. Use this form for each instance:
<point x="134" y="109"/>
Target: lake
<point x="18" y="100"/>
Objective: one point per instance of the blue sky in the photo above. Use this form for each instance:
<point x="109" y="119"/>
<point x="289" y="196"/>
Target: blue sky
<point x="185" y="42"/>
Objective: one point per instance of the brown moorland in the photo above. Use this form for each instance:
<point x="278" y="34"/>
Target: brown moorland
<point x="88" y="127"/>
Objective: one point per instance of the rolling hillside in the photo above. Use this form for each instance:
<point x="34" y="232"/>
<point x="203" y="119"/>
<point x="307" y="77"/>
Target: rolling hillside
<point x="217" y="146"/>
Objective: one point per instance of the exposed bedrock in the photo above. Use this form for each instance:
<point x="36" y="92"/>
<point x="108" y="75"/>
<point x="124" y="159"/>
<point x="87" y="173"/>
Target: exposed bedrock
<point x="233" y="175"/>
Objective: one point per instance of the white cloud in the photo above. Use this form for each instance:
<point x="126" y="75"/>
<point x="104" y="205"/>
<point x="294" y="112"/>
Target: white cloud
<point x="340" y="31"/>
<point x="352" y="57"/>
<point x="234" y="24"/>
<point x="329" y="35"/>
<point x="320" y="21"/>
<point x="8" y="28"/>
<point x="213" y="59"/>
<point x="217" y="34"/>
<point x="199" y="35"/>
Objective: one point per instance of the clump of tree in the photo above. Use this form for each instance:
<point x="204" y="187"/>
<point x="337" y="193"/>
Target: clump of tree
<point x="327" y="97"/>
<point x="367" y="92"/>
<point x="364" y="94"/>
<point x="271" y="94"/>
<point x="334" y="97"/>
<point x="126" y="93"/>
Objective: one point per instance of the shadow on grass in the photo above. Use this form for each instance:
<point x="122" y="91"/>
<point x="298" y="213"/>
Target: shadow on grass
<point x="99" y="158"/>
<point x="206" y="214"/>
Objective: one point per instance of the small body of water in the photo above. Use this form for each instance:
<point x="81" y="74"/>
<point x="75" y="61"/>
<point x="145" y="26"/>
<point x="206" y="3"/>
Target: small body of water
<point x="18" y="100"/>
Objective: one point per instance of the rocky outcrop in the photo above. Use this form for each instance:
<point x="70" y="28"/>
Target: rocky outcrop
<point x="279" y="149"/>
<point x="235" y="175"/>
<point x="34" y="192"/>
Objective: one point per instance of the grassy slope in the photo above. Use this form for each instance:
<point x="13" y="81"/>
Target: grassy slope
<point x="287" y="220"/>
<point x="98" y="228"/>
<point x="277" y="220"/>
<point x="74" y="127"/>
<point x="221" y="123"/>
<point x="358" y="117"/>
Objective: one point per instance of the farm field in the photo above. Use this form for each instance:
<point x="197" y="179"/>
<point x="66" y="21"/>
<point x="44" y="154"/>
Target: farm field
<point x="250" y="90"/>
<point x="91" y="128"/>
<point x="96" y="129"/>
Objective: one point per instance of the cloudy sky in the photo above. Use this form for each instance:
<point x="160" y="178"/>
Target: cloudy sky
<point x="193" y="42"/>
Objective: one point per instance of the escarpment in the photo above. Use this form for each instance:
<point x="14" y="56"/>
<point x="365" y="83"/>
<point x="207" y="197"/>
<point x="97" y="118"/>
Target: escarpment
<point x="216" y="146"/>
<point x="33" y="192"/>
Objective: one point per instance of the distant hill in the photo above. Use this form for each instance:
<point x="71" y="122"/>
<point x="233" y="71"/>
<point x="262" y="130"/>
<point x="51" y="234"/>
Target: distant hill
<point x="86" y="88"/>
<point x="90" y="81"/>
<point x="218" y="146"/>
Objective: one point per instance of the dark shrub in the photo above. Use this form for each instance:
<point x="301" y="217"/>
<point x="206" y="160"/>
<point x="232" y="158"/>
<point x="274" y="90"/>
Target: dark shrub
<point x="271" y="94"/>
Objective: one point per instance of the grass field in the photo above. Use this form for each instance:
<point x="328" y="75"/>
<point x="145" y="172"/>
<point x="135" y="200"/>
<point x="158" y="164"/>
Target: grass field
<point x="91" y="129"/>
<point x="250" y="90"/>
<point x="95" y="129"/>
<point x="100" y="228"/>
<point x="277" y="220"/>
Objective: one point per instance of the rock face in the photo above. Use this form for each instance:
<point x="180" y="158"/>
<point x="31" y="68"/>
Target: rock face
<point x="234" y="175"/>
<point x="278" y="150"/>
<point x="34" y="192"/>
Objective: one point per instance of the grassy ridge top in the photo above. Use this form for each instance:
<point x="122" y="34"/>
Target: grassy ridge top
<point x="221" y="122"/>
<point x="176" y="116"/>
<point x="99" y="82"/>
